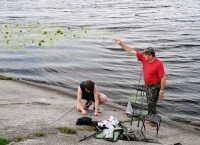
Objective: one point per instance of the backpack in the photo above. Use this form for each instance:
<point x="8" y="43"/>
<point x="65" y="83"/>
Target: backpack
<point x="84" y="121"/>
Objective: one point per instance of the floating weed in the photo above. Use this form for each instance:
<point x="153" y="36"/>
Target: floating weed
<point x="42" y="41"/>
<point x="4" y="141"/>
<point x="60" y="32"/>
<point x="7" y="42"/>
<point x="23" y="35"/>
<point x="67" y="130"/>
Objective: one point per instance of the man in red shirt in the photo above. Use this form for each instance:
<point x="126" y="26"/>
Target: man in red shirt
<point x="154" y="75"/>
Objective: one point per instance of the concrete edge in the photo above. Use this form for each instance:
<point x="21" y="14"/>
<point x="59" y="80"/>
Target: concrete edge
<point x="109" y="104"/>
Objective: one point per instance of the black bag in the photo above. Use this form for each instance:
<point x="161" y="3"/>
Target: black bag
<point x="84" y="121"/>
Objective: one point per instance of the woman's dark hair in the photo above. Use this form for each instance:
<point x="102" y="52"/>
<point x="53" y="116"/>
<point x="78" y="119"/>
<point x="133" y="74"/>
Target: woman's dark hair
<point x="89" y="85"/>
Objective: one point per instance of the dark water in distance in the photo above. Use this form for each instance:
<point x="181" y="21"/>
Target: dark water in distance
<point x="170" y="27"/>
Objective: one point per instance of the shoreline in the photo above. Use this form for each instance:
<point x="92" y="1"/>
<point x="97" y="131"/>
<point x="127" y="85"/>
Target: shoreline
<point x="24" y="120"/>
<point x="192" y="126"/>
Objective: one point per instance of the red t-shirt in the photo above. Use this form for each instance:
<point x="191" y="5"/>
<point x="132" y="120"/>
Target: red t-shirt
<point x="152" y="71"/>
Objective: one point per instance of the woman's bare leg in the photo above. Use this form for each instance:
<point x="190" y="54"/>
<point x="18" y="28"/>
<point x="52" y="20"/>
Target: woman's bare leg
<point x="83" y="103"/>
<point x="102" y="98"/>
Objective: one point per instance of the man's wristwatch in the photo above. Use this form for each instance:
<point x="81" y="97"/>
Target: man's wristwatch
<point x="161" y="91"/>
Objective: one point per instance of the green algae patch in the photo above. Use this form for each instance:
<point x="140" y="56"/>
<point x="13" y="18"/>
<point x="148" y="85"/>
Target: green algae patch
<point x="197" y="129"/>
<point x="5" y="78"/>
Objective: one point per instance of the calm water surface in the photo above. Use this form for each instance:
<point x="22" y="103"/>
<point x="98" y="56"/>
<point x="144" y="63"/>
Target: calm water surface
<point x="170" y="27"/>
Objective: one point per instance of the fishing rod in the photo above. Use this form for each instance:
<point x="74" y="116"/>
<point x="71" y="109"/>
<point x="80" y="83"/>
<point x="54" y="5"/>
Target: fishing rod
<point x="138" y="86"/>
<point x="21" y="103"/>
<point x="136" y="96"/>
<point x="98" y="130"/>
<point x="64" y="114"/>
<point x="86" y="137"/>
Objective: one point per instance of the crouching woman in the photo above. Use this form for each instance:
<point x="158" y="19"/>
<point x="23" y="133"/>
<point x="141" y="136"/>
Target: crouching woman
<point x="88" y="93"/>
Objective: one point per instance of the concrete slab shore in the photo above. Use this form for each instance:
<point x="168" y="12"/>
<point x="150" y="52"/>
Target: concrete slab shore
<point x="26" y="109"/>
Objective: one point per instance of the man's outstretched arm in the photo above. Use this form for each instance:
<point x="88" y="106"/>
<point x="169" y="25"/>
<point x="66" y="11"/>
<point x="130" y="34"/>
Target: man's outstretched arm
<point x="126" y="48"/>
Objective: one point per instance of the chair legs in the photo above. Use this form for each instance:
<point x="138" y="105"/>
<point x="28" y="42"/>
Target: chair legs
<point x="152" y="118"/>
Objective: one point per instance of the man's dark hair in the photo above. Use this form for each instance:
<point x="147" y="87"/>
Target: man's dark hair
<point x="149" y="51"/>
<point x="89" y="85"/>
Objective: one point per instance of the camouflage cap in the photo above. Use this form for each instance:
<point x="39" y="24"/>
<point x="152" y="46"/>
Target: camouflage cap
<point x="150" y="51"/>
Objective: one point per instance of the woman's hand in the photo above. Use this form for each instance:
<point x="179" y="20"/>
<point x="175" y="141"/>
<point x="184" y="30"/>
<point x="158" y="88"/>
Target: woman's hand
<point x="84" y="112"/>
<point x="96" y="114"/>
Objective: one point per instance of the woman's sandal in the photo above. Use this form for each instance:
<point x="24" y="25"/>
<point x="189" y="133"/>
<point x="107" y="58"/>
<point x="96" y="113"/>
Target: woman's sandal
<point x="99" y="111"/>
<point x="88" y="104"/>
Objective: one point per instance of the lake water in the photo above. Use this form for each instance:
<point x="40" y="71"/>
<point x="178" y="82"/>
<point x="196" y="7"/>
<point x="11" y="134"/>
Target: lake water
<point x="61" y="43"/>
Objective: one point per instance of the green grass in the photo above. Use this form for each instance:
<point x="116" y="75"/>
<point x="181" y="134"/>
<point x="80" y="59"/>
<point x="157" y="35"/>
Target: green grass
<point x="18" y="139"/>
<point x="4" y="141"/>
<point x="136" y="117"/>
<point x="67" y="130"/>
<point x="124" y="121"/>
<point x="86" y="128"/>
<point x="40" y="134"/>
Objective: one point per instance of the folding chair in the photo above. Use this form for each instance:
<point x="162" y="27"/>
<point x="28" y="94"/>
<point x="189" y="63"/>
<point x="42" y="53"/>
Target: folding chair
<point x="153" y="117"/>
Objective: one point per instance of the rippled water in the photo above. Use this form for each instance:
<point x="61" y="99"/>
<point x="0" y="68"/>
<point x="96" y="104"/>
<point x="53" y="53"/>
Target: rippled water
<point x="170" y="27"/>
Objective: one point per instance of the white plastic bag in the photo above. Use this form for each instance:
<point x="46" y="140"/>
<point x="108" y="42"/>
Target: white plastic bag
<point x="129" y="109"/>
<point x="109" y="123"/>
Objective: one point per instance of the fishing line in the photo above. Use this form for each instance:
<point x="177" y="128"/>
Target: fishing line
<point x="48" y="125"/>
<point x="64" y="114"/>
